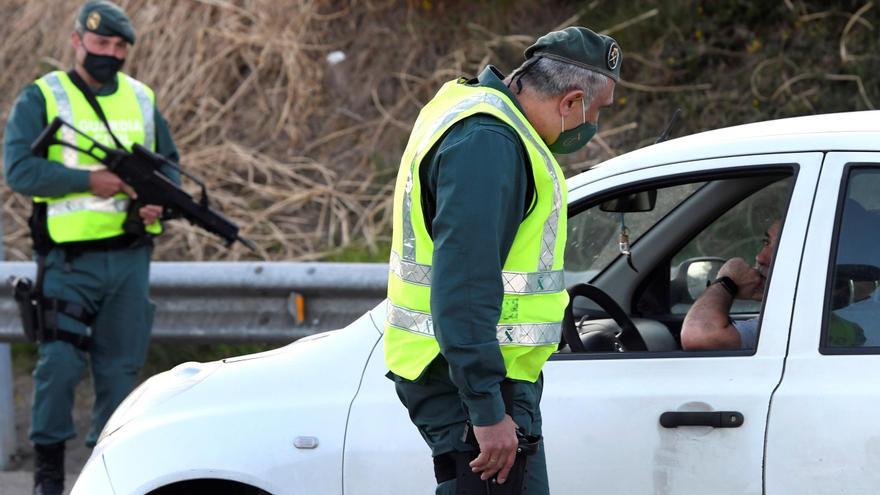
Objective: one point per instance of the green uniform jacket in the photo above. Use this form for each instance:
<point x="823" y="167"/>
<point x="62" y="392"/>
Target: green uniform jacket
<point x="32" y="175"/>
<point x="476" y="189"/>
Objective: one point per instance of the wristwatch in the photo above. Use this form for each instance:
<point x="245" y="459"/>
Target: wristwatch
<point x="728" y="284"/>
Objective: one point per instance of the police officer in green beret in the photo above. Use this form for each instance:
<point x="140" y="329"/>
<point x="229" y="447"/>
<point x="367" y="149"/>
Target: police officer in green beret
<point x="476" y="290"/>
<point x="94" y="271"/>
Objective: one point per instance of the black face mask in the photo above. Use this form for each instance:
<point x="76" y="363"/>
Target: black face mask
<point x="102" y="67"/>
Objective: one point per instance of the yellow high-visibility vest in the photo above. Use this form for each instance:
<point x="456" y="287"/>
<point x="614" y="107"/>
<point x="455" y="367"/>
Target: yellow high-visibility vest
<point x="534" y="290"/>
<point x="130" y="110"/>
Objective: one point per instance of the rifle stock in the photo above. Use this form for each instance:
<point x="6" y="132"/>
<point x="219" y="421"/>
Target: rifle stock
<point x="47" y="137"/>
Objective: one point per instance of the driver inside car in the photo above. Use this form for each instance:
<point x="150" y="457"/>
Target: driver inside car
<point x="708" y="326"/>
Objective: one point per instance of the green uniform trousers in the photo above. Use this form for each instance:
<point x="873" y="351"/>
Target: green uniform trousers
<point x="437" y="411"/>
<point x="114" y="285"/>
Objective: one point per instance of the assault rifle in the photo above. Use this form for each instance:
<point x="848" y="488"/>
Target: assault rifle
<point x="140" y="169"/>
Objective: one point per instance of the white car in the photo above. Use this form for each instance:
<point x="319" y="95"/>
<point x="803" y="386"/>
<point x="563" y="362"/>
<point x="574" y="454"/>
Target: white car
<point x="795" y="415"/>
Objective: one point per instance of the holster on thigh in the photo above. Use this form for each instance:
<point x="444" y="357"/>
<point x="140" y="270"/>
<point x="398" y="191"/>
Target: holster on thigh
<point x="457" y="465"/>
<point x="468" y="482"/>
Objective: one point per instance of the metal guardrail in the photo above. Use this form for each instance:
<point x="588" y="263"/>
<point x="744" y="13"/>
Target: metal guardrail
<point x="240" y="301"/>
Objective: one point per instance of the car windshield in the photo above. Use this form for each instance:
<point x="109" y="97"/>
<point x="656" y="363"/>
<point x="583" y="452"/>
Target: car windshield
<point x="593" y="234"/>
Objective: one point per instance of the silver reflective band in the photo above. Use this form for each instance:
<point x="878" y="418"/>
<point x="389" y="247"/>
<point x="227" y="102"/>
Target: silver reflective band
<point x="87" y="203"/>
<point x="534" y="282"/>
<point x="410" y="271"/>
<point x="147" y="112"/>
<point x="532" y="334"/>
<point x="514" y="282"/>
<point x="548" y="238"/>
<point x="411" y="321"/>
<point x="69" y="156"/>
<point x="409" y="235"/>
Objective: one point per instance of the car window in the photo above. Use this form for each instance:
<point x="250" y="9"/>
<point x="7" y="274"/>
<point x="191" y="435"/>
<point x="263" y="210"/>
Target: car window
<point x="739" y="232"/>
<point x="593" y="234"/>
<point x="852" y="312"/>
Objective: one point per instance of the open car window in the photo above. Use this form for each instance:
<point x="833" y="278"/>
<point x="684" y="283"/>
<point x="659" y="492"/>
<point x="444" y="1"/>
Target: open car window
<point x="739" y="232"/>
<point x="677" y="245"/>
<point x="593" y="234"/>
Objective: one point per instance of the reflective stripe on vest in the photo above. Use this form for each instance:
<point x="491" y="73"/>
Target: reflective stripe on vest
<point x="62" y="102"/>
<point x="87" y="203"/>
<point x="130" y="110"/>
<point x="529" y="326"/>
<point x="514" y="282"/>
<point x="534" y="334"/>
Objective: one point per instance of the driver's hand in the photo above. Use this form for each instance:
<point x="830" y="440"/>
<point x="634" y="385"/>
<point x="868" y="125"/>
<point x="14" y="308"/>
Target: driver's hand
<point x="747" y="278"/>
<point x="498" y="445"/>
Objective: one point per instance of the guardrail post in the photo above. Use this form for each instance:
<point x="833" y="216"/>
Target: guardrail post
<point x="7" y="407"/>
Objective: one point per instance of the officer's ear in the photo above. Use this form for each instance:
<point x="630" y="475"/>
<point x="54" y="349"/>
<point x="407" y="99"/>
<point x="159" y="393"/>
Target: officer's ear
<point x="571" y="101"/>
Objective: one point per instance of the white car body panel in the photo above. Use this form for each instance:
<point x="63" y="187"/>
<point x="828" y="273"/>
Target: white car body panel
<point x="823" y="435"/>
<point x="837" y="131"/>
<point x="612" y="423"/>
<point x="384" y="453"/>
<point x="600" y="414"/>
<point x="240" y="423"/>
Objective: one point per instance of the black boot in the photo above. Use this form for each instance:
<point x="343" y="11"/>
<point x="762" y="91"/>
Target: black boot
<point x="49" y="469"/>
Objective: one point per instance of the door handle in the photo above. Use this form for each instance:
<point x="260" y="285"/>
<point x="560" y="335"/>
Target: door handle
<point x="715" y="419"/>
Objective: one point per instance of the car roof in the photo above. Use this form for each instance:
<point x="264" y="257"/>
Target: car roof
<point x="853" y="131"/>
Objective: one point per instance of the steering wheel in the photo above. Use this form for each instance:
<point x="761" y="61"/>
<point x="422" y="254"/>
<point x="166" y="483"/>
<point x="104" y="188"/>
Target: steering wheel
<point x="627" y="338"/>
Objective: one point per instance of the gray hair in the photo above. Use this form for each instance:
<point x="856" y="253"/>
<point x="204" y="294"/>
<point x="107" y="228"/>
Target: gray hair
<point x="552" y="78"/>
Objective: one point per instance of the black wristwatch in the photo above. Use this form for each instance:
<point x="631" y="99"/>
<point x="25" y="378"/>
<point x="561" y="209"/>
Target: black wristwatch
<point x="728" y="284"/>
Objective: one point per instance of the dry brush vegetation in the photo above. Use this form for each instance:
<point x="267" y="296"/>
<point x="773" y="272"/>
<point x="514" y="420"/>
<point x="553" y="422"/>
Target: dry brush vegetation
<point x="302" y="153"/>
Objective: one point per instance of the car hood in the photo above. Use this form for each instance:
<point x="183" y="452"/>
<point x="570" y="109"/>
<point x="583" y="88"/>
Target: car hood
<point x="241" y="410"/>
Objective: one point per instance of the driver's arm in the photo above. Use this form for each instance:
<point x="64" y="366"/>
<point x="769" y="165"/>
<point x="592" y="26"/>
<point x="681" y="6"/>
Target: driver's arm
<point x="707" y="326"/>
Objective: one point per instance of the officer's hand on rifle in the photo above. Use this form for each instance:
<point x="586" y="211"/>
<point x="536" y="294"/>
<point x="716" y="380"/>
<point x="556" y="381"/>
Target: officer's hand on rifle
<point x="105" y="184"/>
<point x="498" y="445"/>
<point x="150" y="213"/>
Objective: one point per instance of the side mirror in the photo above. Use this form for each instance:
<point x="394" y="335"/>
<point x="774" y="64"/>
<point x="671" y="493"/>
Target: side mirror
<point x="692" y="277"/>
<point x="631" y="203"/>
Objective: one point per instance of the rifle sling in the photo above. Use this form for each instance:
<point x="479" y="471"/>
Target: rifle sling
<point x="93" y="101"/>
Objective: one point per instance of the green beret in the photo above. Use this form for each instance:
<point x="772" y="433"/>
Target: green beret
<point x="581" y="47"/>
<point x="105" y="18"/>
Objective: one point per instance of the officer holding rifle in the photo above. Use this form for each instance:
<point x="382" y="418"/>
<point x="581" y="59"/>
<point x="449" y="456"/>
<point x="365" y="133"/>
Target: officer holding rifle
<point x="92" y="240"/>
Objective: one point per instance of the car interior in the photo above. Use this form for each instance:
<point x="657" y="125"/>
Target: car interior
<point x="638" y="257"/>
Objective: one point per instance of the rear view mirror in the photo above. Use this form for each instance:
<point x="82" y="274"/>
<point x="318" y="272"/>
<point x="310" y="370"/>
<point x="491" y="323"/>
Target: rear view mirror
<point x="631" y="203"/>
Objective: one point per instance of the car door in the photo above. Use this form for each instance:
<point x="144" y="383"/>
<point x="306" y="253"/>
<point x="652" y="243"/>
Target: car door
<point x="823" y="435"/>
<point x="601" y="411"/>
